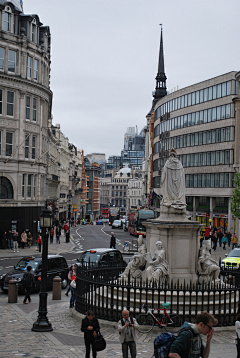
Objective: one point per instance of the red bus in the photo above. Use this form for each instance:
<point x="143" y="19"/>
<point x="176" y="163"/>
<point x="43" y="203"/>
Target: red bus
<point x="114" y="214"/>
<point x="136" y="217"/>
<point x="105" y="213"/>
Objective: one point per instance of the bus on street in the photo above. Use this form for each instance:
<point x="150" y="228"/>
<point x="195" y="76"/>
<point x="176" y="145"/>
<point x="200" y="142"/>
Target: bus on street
<point x="136" y="217"/>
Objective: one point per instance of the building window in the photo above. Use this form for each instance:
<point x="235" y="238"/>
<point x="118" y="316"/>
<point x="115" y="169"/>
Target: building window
<point x="11" y="61"/>
<point x="34" y="109"/>
<point x="0" y="143"/>
<point x="26" y="145"/>
<point x="10" y="103"/>
<point x="6" y="189"/>
<point x="33" y="32"/>
<point x="29" y="186"/>
<point x="27" y="107"/>
<point x="23" y="185"/>
<point x="29" y="67"/>
<point x="2" y="52"/>
<point x="6" y="21"/>
<point x="34" y="186"/>
<point x="9" y="144"/>
<point x="35" y="69"/>
<point x="33" y="148"/>
<point x="0" y="101"/>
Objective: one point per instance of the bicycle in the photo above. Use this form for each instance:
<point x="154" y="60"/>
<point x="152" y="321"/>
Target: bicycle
<point x="147" y="320"/>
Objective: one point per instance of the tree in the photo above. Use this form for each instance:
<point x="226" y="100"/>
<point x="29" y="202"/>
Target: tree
<point x="235" y="200"/>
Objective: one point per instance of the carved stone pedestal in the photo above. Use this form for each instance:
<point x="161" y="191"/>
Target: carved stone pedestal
<point x="180" y="238"/>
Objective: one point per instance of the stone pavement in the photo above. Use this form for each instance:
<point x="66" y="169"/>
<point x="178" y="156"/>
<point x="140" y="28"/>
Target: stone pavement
<point x="66" y="339"/>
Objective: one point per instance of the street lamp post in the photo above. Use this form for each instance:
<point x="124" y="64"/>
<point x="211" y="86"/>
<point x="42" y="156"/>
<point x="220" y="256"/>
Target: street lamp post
<point x="42" y="324"/>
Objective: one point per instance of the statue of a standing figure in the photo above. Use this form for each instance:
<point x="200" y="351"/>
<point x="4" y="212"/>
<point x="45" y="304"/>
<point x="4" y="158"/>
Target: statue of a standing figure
<point x="173" y="183"/>
<point x="207" y="266"/>
<point x="158" y="267"/>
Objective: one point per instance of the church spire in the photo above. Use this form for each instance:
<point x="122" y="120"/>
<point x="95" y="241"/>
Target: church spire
<point x="160" y="89"/>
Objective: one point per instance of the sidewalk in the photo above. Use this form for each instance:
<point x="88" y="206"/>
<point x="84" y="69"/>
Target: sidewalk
<point x="53" y="248"/>
<point x="66" y="339"/>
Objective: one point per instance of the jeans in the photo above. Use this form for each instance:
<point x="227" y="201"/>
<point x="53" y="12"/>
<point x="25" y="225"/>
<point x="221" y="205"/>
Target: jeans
<point x="214" y="246"/>
<point x="88" y="345"/>
<point x="133" y="350"/>
<point x="220" y="242"/>
<point x="234" y="245"/>
<point x="224" y="244"/>
<point x="28" y="291"/>
<point x="58" y="239"/>
<point x="10" y="244"/>
<point x="72" y="299"/>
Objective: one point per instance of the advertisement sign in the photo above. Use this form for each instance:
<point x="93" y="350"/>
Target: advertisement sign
<point x="62" y="196"/>
<point x="69" y="196"/>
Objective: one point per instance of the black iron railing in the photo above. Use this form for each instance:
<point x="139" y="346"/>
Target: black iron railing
<point x="101" y="290"/>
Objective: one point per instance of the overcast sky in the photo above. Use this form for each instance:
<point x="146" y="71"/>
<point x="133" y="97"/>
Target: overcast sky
<point x="105" y="57"/>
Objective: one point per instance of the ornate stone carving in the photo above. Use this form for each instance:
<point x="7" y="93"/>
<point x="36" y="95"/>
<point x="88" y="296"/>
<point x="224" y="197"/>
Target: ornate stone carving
<point x="207" y="266"/>
<point x="158" y="268"/>
<point x="22" y="94"/>
<point x="173" y="183"/>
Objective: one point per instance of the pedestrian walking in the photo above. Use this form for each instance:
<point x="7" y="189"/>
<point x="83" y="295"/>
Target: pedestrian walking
<point x="39" y="242"/>
<point x="220" y="236"/>
<point x="23" y="239"/>
<point x="234" y="240"/>
<point x="127" y="328"/>
<point x="70" y="274"/>
<point x="229" y="237"/>
<point x="90" y="327"/>
<point x="73" y="288"/>
<point x="29" y="239"/>
<point x="28" y="282"/>
<point x="10" y="240"/>
<point x="112" y="241"/>
<point x="237" y="328"/>
<point x="51" y="235"/>
<point x="58" y="234"/>
<point x="5" y="240"/>
<point x="189" y="342"/>
<point x="15" y="241"/>
<point x="224" y="241"/>
<point x="214" y="241"/>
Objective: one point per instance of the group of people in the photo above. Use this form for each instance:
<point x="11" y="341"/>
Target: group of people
<point x="217" y="236"/>
<point x="11" y="240"/>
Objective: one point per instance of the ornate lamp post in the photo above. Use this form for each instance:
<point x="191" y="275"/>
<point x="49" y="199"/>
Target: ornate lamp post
<point x="42" y="324"/>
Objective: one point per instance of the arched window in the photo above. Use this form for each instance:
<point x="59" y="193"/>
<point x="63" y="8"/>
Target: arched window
<point x="6" y="189"/>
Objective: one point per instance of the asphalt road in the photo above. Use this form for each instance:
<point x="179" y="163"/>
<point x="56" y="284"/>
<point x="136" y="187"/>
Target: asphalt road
<point x="84" y="237"/>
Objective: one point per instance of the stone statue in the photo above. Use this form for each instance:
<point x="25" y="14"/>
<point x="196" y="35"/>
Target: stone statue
<point x="173" y="183"/>
<point x="207" y="267"/>
<point x="158" y="267"/>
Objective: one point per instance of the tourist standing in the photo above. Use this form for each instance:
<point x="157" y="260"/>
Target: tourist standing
<point x="10" y="240"/>
<point x="29" y="239"/>
<point x="190" y="337"/>
<point x="51" y="235"/>
<point x="29" y="278"/>
<point x="234" y="241"/>
<point x="220" y="236"/>
<point x="127" y="328"/>
<point x="214" y="241"/>
<point x="58" y="234"/>
<point x="229" y="237"/>
<point x="90" y="328"/>
<point x="5" y="240"/>
<point x="70" y="274"/>
<point x="112" y="241"/>
<point x="15" y="241"/>
<point x="23" y="239"/>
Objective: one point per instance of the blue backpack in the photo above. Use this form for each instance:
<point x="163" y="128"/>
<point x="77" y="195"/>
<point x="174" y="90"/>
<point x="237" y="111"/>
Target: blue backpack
<point x="163" y="342"/>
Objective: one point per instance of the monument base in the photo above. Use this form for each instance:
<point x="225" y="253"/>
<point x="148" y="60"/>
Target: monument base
<point x="180" y="238"/>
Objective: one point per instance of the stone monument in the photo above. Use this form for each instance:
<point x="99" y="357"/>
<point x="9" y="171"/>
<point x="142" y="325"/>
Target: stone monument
<point x="207" y="267"/>
<point x="178" y="235"/>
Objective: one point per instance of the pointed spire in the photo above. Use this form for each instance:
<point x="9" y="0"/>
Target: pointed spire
<point x="160" y="89"/>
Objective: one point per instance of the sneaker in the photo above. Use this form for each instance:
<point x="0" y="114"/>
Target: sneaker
<point x="25" y="303"/>
<point x="30" y="301"/>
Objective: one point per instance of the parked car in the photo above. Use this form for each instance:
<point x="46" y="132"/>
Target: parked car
<point x="57" y="266"/>
<point x="102" y="258"/>
<point x="99" y="222"/>
<point x="117" y="224"/>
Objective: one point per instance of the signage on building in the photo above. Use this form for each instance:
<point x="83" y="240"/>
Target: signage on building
<point x="51" y="204"/>
<point x="60" y="206"/>
<point x="69" y="196"/>
<point x="75" y="206"/>
<point x="62" y="196"/>
<point x="82" y="200"/>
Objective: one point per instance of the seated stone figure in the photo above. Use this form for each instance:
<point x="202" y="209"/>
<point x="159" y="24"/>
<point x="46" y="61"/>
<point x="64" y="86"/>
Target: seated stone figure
<point x="207" y="266"/>
<point x="137" y="265"/>
<point x="158" y="267"/>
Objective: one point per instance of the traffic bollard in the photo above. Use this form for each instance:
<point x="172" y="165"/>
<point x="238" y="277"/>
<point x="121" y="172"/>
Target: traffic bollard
<point x="12" y="291"/>
<point x="57" y="288"/>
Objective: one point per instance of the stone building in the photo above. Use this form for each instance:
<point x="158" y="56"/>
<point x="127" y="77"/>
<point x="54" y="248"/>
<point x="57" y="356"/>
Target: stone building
<point x="201" y="123"/>
<point x="26" y="104"/>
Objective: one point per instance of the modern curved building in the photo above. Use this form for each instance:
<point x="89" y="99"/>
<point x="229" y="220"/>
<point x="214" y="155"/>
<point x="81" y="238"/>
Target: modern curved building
<point x="25" y="109"/>
<point x="202" y="123"/>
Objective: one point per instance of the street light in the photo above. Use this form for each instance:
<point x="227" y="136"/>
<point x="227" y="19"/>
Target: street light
<point x="42" y="324"/>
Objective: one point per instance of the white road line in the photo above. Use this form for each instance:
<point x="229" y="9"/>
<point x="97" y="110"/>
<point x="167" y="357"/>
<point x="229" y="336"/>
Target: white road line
<point x="9" y="267"/>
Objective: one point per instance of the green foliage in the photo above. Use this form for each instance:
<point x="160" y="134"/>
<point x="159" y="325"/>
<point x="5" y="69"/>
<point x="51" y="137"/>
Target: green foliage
<point x="235" y="200"/>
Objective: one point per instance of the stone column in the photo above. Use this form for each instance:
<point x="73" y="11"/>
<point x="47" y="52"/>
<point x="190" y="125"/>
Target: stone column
<point x="211" y="208"/>
<point x="230" y="220"/>
<point x="194" y="208"/>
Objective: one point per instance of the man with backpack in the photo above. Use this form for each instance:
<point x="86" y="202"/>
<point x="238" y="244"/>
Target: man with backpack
<point x="127" y="330"/>
<point x="189" y="342"/>
<point x="28" y="283"/>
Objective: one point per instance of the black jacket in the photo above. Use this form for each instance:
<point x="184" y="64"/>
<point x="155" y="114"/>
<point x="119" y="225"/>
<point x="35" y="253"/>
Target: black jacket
<point x="88" y="334"/>
<point x="113" y="240"/>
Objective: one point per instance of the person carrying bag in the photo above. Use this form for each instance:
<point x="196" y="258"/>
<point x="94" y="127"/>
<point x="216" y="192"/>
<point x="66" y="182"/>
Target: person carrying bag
<point x="91" y="329"/>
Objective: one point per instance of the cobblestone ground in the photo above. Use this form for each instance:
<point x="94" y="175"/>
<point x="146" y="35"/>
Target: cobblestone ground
<point x="66" y="340"/>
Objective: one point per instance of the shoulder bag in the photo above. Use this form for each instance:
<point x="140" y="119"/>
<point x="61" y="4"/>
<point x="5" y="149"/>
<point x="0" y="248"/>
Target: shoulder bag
<point x="99" y="342"/>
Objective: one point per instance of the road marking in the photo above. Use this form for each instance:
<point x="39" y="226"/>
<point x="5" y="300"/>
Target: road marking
<point x="9" y="267"/>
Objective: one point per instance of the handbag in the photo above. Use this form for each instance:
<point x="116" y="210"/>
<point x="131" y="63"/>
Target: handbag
<point x="99" y="342"/>
<point x="73" y="284"/>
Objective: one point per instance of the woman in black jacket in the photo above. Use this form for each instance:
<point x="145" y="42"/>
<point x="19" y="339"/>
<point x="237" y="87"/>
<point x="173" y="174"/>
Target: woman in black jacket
<point x="90" y="327"/>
